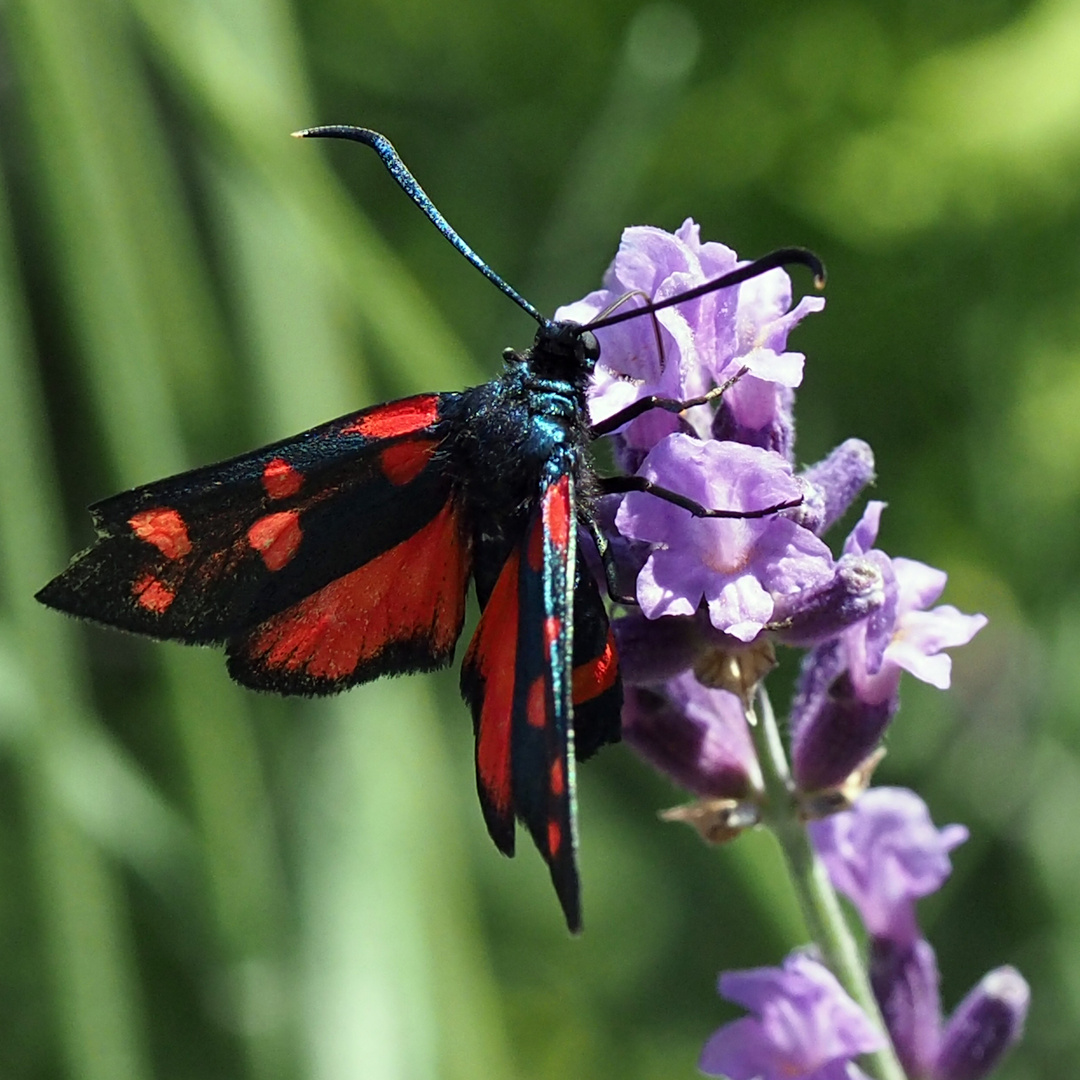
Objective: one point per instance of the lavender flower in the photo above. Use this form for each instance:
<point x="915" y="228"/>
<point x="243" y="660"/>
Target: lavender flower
<point x="736" y="566"/>
<point x="704" y="341"/>
<point x="758" y="409"/>
<point x="884" y="855"/>
<point x="804" y="1027"/>
<point x="736" y="456"/>
<point x="984" y="1026"/>
<point x="877" y="652"/>
<point x="848" y="690"/>
<point x="714" y="594"/>
<point x="864" y="613"/>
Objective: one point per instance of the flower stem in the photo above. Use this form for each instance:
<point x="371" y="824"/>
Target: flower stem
<point x="818" y="900"/>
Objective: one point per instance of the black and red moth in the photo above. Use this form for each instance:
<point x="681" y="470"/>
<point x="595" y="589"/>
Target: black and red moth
<point x="345" y="553"/>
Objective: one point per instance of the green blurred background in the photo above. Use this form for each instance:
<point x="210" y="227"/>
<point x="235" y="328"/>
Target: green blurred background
<point x="197" y="882"/>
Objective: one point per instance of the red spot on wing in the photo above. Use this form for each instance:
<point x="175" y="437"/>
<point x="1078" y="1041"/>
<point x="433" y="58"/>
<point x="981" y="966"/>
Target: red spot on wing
<point x="536" y="711"/>
<point x="557" y="512"/>
<point x="151" y="594"/>
<point x="280" y="479"/>
<point x="413" y="592"/>
<point x="397" y="418"/>
<point x="165" y="529"/>
<point x="493" y="652"/>
<point x="598" y="675"/>
<point x="552" y="630"/>
<point x="404" y="461"/>
<point x="554" y="838"/>
<point x="276" y="537"/>
<point x="557" y="779"/>
<point x="554" y="520"/>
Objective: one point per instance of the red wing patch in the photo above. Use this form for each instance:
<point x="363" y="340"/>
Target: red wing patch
<point x="165" y="529"/>
<point x="407" y="603"/>
<point x="598" y="675"/>
<point x="403" y="462"/>
<point x="276" y="537"/>
<point x="557" y="512"/>
<point x="536" y="704"/>
<point x="554" y="838"/>
<point x="556" y="778"/>
<point x="490" y="664"/>
<point x="152" y="594"/>
<point x="595" y="686"/>
<point x="397" y="418"/>
<point x="280" y="480"/>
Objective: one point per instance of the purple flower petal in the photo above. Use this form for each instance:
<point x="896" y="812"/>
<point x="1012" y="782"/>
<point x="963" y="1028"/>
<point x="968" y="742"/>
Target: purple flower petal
<point x="784" y="369"/>
<point x="902" y="636"/>
<point x="670" y="584"/>
<point x="920" y="585"/>
<point x="737" y="565"/>
<point x="702" y="341"/>
<point x="739" y="605"/>
<point x="883" y="855"/>
<point x="804" y="1025"/>
<point x="863" y="536"/>
<point x="763" y="319"/>
<point x="758" y="413"/>
<point x="918" y="636"/>
<point x="757" y="409"/>
<point x="922" y="633"/>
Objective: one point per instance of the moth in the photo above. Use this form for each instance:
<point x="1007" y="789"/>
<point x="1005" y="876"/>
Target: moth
<point x="345" y="553"/>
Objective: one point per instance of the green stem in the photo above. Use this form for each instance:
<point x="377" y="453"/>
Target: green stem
<point x="820" y="905"/>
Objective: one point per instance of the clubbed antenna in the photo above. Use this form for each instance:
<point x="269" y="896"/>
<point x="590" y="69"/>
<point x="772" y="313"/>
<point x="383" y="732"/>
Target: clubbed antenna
<point x="396" y="167"/>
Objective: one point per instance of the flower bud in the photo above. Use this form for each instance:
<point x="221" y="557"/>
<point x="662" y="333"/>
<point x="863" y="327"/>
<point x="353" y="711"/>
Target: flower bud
<point x="829" y="745"/>
<point x="905" y="982"/>
<point x="986" y="1023"/>
<point x="651" y="651"/>
<point x="856" y="590"/>
<point x="696" y="736"/>
<point x="841" y="477"/>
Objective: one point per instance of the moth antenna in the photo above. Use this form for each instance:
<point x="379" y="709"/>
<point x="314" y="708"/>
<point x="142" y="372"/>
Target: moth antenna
<point x="616" y="304"/>
<point x="407" y="182"/>
<point x="788" y="256"/>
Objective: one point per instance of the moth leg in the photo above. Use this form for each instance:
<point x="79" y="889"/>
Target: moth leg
<point x="617" y="485"/>
<point x="611" y="571"/>
<point x="672" y="405"/>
